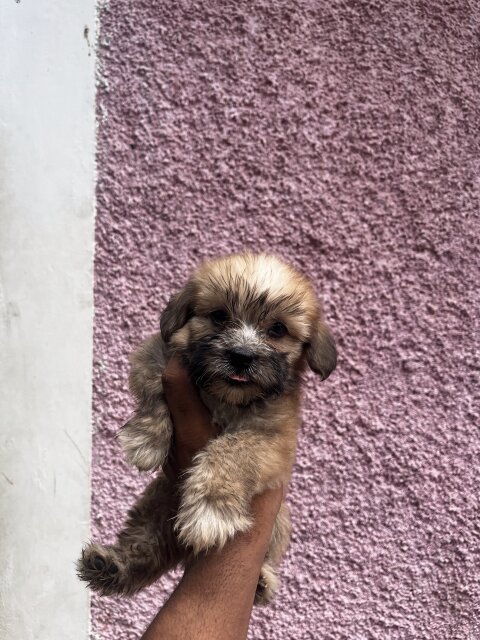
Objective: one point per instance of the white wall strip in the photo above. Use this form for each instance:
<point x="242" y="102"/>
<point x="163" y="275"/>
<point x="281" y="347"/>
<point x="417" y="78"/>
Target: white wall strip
<point x="47" y="141"/>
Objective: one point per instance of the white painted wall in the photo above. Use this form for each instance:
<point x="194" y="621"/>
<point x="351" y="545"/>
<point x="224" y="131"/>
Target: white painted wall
<point x="47" y="137"/>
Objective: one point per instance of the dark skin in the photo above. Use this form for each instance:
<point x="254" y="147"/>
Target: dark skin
<point x="214" y="598"/>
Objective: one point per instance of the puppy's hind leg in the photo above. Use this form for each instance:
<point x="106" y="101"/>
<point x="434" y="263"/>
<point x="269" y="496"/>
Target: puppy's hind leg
<point x="268" y="581"/>
<point x="145" y="549"/>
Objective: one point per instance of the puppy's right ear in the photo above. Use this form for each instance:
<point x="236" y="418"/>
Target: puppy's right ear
<point x="177" y="312"/>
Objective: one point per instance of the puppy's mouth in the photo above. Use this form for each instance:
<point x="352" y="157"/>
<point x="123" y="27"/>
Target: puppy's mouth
<point x="236" y="378"/>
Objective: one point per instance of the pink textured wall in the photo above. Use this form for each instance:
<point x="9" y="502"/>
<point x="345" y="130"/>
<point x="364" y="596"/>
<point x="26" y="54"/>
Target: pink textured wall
<point x="345" y="137"/>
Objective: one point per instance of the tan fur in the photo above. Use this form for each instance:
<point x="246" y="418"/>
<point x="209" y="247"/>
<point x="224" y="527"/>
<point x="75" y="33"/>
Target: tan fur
<point x="258" y="418"/>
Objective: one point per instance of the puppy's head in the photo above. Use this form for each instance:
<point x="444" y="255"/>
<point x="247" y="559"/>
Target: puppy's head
<point x="244" y="324"/>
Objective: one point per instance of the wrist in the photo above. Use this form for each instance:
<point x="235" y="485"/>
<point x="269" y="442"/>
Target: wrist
<point x="264" y="508"/>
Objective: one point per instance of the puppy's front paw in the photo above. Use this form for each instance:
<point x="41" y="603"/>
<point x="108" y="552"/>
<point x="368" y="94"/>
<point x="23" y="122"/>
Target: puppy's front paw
<point x="146" y="440"/>
<point x="207" y="522"/>
<point x="212" y="509"/>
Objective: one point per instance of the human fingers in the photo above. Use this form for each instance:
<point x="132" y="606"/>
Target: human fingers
<point x="192" y="422"/>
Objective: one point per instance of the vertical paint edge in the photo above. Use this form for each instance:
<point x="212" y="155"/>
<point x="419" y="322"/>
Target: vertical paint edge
<point x="47" y="211"/>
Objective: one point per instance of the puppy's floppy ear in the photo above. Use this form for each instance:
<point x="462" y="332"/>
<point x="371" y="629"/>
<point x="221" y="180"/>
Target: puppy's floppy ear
<point x="321" y="351"/>
<point x="177" y="312"/>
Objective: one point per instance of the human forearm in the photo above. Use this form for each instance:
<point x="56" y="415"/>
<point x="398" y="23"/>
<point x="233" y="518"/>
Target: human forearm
<point x="215" y="596"/>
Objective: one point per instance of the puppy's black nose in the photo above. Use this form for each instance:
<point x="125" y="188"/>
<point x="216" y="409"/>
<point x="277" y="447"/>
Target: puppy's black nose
<point x="241" y="357"/>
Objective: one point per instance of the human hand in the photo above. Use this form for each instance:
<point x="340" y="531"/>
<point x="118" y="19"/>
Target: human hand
<point x="214" y="598"/>
<point x="192" y="422"/>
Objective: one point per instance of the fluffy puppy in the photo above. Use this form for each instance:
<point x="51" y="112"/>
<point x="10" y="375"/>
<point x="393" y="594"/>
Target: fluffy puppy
<point x="245" y="327"/>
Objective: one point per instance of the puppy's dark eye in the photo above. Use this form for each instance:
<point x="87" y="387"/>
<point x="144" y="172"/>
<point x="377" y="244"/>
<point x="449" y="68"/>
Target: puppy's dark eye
<point x="219" y="316"/>
<point x="277" y="330"/>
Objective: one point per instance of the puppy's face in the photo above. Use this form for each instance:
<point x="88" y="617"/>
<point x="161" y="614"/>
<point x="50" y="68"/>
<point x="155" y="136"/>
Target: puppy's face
<point x="244" y="324"/>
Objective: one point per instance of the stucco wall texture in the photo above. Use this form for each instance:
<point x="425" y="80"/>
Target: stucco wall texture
<point x="343" y="136"/>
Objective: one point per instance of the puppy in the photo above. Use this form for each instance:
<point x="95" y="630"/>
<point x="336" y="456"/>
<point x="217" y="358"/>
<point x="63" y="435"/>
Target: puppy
<point x="245" y="326"/>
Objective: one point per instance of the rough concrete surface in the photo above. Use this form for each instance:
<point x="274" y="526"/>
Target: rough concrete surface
<point x="343" y="136"/>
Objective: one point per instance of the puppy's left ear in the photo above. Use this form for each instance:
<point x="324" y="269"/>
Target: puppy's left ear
<point x="321" y="351"/>
<point x="177" y="312"/>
